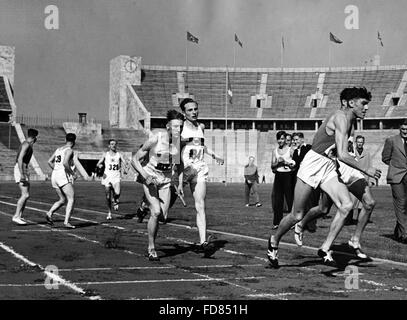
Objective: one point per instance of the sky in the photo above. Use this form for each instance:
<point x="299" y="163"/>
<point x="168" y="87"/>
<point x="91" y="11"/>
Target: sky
<point x="66" y="71"/>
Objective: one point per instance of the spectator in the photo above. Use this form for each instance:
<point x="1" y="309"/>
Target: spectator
<point x="289" y="139"/>
<point x="363" y="157"/>
<point x="251" y="177"/>
<point x="394" y="154"/>
<point x="282" y="165"/>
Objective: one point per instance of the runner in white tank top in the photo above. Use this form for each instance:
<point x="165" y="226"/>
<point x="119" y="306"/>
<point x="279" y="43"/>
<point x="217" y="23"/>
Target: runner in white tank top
<point x="62" y="163"/>
<point x="113" y="162"/>
<point x="195" y="169"/>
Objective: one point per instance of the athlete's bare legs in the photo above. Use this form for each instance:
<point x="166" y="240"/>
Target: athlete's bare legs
<point x="198" y="190"/>
<point x="340" y="196"/>
<point x="58" y="204"/>
<point x="70" y="196"/>
<point x="159" y="201"/>
<point x="364" y="216"/>
<point x="25" y="195"/>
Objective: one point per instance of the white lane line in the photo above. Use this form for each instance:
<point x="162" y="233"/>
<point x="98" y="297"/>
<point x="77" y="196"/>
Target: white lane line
<point x="214" y="231"/>
<point x="130" y="252"/>
<point x="40" y="230"/>
<point x="270" y="295"/>
<point x="50" y="275"/>
<point x="137" y="281"/>
<point x="236" y="235"/>
<point x="377" y="260"/>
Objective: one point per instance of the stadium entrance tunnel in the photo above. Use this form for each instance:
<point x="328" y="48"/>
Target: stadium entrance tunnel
<point x="89" y="160"/>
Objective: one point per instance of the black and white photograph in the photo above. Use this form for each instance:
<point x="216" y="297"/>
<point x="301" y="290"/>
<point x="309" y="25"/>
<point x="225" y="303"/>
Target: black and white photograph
<point x="203" y="156"/>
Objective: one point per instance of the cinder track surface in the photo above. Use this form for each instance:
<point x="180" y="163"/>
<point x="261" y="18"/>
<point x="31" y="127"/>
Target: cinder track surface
<point x="106" y="259"/>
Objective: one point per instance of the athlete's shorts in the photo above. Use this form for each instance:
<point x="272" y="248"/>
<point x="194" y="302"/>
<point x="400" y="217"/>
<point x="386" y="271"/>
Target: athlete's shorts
<point x="163" y="178"/>
<point x="17" y="175"/>
<point x="347" y="174"/>
<point x="316" y="169"/>
<point x="196" y="173"/>
<point x="108" y="180"/>
<point x="60" y="178"/>
<point x="357" y="188"/>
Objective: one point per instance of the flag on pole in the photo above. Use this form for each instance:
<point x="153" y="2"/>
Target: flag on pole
<point x="230" y="93"/>
<point x="192" y="38"/>
<point x="238" y="41"/>
<point x="379" y="38"/>
<point x="282" y="42"/>
<point x="334" y="38"/>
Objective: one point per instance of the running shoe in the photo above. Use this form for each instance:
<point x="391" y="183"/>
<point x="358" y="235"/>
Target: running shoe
<point x="116" y="206"/>
<point x="274" y="227"/>
<point x="19" y="221"/>
<point x="272" y="255"/>
<point x="358" y="251"/>
<point x="152" y="255"/>
<point x="327" y="257"/>
<point x="141" y="214"/>
<point x="298" y="234"/>
<point x="49" y="220"/>
<point x="109" y="216"/>
<point x="258" y="204"/>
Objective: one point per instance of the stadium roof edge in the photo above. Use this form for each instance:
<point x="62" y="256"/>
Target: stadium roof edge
<point x="310" y="69"/>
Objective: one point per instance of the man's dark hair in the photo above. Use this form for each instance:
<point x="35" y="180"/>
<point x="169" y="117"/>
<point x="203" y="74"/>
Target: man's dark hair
<point x="185" y="101"/>
<point x="32" y="133"/>
<point x="174" y="114"/>
<point x="298" y="134"/>
<point x="355" y="93"/>
<point x="360" y="137"/>
<point x="110" y="140"/>
<point x="280" y="134"/>
<point x="70" y="137"/>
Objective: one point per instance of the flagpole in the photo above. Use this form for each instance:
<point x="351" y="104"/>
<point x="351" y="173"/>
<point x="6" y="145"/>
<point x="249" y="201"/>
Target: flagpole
<point x="186" y="64"/>
<point x="281" y="53"/>
<point x="226" y="129"/>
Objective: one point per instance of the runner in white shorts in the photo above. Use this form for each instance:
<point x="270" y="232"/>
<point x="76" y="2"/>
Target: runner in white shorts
<point x="62" y="163"/>
<point x="358" y="186"/>
<point x="163" y="149"/>
<point x="113" y="162"/>
<point x="317" y="169"/>
<point x="21" y="174"/>
<point x="195" y="169"/>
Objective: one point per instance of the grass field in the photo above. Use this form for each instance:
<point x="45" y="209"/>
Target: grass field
<point x="106" y="259"/>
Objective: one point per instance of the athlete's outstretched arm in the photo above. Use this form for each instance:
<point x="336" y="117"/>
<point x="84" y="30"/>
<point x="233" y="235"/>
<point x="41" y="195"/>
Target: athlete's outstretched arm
<point x="101" y="160"/>
<point x="341" y="141"/>
<point x="209" y="152"/>
<point x="140" y="154"/>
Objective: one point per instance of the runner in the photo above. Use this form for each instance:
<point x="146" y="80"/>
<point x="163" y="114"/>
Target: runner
<point x="63" y="163"/>
<point x="195" y="169"/>
<point x="317" y="169"/>
<point x="359" y="187"/>
<point x="113" y="162"/>
<point x="21" y="174"/>
<point x="163" y="154"/>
